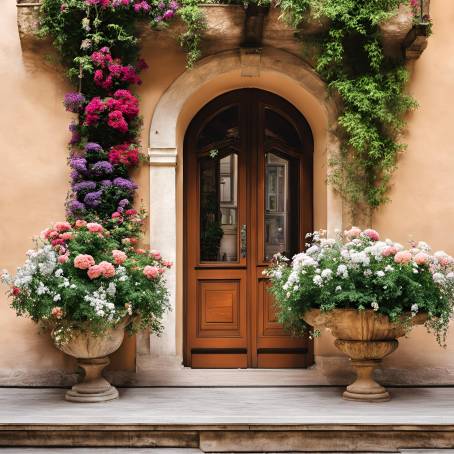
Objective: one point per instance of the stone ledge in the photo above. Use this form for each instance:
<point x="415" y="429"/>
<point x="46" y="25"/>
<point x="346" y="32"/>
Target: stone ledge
<point x="225" y="30"/>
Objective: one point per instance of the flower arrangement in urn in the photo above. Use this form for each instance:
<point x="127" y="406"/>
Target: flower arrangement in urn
<point x="87" y="283"/>
<point x="368" y="292"/>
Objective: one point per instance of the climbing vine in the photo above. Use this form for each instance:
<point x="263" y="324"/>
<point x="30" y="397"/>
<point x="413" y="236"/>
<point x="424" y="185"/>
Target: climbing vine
<point x="98" y="41"/>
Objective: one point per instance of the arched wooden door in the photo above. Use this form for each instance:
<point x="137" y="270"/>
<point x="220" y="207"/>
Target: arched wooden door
<point x="248" y="195"/>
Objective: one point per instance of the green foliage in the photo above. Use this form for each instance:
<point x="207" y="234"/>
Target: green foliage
<point x="195" y="22"/>
<point x="372" y="89"/>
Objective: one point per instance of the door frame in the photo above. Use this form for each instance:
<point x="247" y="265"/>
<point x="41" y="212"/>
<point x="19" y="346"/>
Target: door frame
<point x="293" y="116"/>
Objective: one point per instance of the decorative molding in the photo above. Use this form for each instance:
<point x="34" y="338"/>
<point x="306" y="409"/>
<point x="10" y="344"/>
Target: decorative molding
<point x="162" y="157"/>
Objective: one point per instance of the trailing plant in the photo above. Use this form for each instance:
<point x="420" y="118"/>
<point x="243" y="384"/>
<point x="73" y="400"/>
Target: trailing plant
<point x="372" y="90"/>
<point x="358" y="271"/>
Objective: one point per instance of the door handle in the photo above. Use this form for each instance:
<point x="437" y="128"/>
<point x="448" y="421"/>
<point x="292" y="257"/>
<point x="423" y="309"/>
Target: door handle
<point x="243" y="240"/>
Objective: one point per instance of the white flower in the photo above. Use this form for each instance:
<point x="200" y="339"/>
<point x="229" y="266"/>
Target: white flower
<point x="5" y="277"/>
<point x="57" y="297"/>
<point x="450" y="275"/>
<point x="72" y="286"/>
<point x="326" y="274"/>
<point x="375" y="306"/>
<point x="342" y="271"/>
<point x="414" y="309"/>
<point x="123" y="278"/>
<point x="313" y="250"/>
<point x="423" y="246"/>
<point x="380" y="273"/>
<point x="318" y="280"/>
<point x="59" y="272"/>
<point x="367" y="273"/>
<point x="42" y="289"/>
<point x="389" y="268"/>
<point x="438" y="278"/>
<point x="338" y="288"/>
<point x="111" y="289"/>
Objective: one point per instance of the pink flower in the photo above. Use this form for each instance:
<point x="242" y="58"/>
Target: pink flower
<point x="126" y="241"/>
<point x="84" y="261"/>
<point x="162" y="270"/>
<point x="389" y="250"/>
<point x="119" y="256"/>
<point x="63" y="258"/>
<point x="130" y="212"/>
<point x="403" y="257"/>
<point x="116" y="215"/>
<point x="57" y="242"/>
<point x="151" y="272"/>
<point x="57" y="312"/>
<point x="66" y="236"/>
<point x="372" y="234"/>
<point x="107" y="269"/>
<point x="155" y="254"/>
<point x="443" y="258"/>
<point x="62" y="226"/>
<point x="94" y="272"/>
<point x="167" y="264"/>
<point x="354" y="232"/>
<point x="15" y="291"/>
<point x="80" y="223"/>
<point x="117" y="121"/>
<point x="140" y="251"/>
<point x="94" y="227"/>
<point x="421" y="258"/>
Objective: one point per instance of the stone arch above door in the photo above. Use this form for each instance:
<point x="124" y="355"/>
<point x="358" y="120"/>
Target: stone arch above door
<point x="272" y="70"/>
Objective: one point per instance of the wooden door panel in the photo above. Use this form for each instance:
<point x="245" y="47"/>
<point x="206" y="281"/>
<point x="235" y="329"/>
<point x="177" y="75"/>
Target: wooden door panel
<point x="218" y="323"/>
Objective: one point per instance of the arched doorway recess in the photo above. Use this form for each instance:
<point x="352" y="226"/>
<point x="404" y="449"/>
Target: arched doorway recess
<point x="276" y="71"/>
<point x="248" y="195"/>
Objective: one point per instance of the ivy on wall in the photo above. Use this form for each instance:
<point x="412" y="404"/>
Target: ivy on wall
<point x="98" y="41"/>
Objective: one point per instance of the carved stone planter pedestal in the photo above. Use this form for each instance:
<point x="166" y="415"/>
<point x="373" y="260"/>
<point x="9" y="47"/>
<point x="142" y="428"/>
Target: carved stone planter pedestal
<point x="366" y="337"/>
<point x="92" y="356"/>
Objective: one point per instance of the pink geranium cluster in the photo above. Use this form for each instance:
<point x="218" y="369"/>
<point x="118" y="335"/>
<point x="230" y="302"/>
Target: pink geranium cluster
<point x="104" y="269"/>
<point x="120" y="109"/>
<point x="111" y="70"/>
<point x="126" y="154"/>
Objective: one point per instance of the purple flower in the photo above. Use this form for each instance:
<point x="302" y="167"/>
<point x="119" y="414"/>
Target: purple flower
<point x="124" y="183"/>
<point x="75" y="176"/>
<point x="101" y="168"/>
<point x="120" y="209"/>
<point x="75" y="135"/>
<point x="93" y="147"/>
<point x="123" y="203"/>
<point x="106" y="183"/>
<point x="78" y="164"/>
<point x="174" y="5"/>
<point x="74" y="206"/>
<point x="161" y="5"/>
<point x="73" y="101"/>
<point x="93" y="199"/>
<point x="84" y="186"/>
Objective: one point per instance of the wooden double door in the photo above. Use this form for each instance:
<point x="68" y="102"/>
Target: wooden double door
<point x="248" y="196"/>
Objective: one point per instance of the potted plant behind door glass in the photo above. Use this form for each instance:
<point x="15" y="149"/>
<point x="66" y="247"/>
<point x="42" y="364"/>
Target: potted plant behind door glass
<point x="368" y="293"/>
<point x="87" y="283"/>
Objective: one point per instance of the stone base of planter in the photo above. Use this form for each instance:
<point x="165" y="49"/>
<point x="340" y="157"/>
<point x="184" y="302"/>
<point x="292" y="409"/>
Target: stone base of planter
<point x="94" y="387"/>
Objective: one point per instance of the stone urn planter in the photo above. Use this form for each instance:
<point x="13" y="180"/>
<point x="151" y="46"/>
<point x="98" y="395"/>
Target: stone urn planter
<point x="92" y="353"/>
<point x="366" y="337"/>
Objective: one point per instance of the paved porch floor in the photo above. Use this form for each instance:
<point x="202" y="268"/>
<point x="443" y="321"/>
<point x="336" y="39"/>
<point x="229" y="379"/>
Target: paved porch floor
<point x="206" y="405"/>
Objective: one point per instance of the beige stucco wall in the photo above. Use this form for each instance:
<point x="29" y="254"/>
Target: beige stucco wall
<point x="34" y="178"/>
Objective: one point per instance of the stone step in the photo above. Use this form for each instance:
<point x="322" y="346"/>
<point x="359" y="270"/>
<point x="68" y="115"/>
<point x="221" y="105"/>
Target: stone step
<point x="230" y="420"/>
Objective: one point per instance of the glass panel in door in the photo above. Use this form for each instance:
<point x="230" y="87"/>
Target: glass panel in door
<point x="219" y="208"/>
<point x="277" y="206"/>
